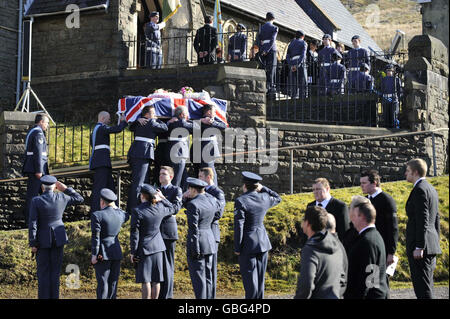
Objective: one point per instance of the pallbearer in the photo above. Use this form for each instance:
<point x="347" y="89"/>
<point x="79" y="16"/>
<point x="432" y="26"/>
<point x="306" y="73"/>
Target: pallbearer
<point x="251" y="242"/>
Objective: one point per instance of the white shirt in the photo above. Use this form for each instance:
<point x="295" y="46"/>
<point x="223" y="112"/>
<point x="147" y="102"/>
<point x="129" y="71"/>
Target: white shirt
<point x="324" y="202"/>
<point x="370" y="226"/>
<point x="422" y="178"/>
<point x="377" y="192"/>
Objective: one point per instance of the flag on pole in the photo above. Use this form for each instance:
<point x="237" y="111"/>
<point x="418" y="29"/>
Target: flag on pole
<point x="169" y="8"/>
<point x="218" y="23"/>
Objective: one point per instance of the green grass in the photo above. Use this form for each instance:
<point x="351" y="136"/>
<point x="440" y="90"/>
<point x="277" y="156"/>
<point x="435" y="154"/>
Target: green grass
<point x="18" y="270"/>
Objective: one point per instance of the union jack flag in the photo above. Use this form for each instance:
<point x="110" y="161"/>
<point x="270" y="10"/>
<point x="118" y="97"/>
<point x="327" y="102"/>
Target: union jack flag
<point x="132" y="106"/>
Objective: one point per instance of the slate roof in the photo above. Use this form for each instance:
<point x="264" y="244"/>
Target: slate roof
<point x="347" y="23"/>
<point x="51" y="6"/>
<point x="287" y="14"/>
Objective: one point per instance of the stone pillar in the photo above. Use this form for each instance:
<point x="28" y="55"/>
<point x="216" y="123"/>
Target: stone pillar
<point x="426" y="94"/>
<point x="13" y="132"/>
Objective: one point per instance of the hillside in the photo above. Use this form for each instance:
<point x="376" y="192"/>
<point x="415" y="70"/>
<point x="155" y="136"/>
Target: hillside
<point x="382" y="18"/>
<point x="18" y="269"/>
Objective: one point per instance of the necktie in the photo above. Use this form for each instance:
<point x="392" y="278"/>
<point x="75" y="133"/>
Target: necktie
<point x="320" y="204"/>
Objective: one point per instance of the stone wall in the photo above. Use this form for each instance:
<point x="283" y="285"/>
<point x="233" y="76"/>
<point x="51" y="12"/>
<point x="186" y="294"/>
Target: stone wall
<point x="435" y="20"/>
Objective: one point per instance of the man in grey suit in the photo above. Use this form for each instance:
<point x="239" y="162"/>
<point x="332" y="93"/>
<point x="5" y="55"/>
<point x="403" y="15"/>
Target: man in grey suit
<point x="106" y="251"/>
<point x="422" y="229"/>
<point x="251" y="242"/>
<point x="47" y="235"/>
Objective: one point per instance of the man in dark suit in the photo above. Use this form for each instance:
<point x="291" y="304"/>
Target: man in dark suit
<point x="251" y="242"/>
<point x="206" y="174"/>
<point x="47" y="235"/>
<point x="100" y="160"/>
<point x="36" y="160"/>
<point x="321" y="191"/>
<point x="106" y="251"/>
<point x="422" y="229"/>
<point x="169" y="229"/>
<point x="205" y="42"/>
<point x="367" y="256"/>
<point x="386" y="221"/>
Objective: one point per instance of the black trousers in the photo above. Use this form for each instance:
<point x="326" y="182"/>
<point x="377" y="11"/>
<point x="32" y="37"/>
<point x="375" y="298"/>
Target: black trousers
<point x="422" y="275"/>
<point x="102" y="179"/>
<point x="107" y="273"/>
<point x="49" y="262"/>
<point x="166" y="291"/>
<point x="33" y="189"/>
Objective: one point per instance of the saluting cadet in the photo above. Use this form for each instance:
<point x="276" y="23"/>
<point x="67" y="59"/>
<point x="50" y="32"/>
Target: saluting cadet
<point x="295" y="57"/>
<point x="201" y="209"/>
<point x="106" y="251"/>
<point x="100" y="160"/>
<point x="355" y="57"/>
<point x="178" y="150"/>
<point x="146" y="243"/>
<point x="336" y="75"/>
<point x="47" y="235"/>
<point x="36" y="160"/>
<point x="205" y="42"/>
<point x="206" y="174"/>
<point x="208" y="141"/>
<point x="153" y="57"/>
<point x="169" y="229"/>
<point x="251" y="242"/>
<point x="268" y="50"/>
<point x="392" y="92"/>
<point x="325" y="56"/>
<point x="237" y="45"/>
<point x="141" y="152"/>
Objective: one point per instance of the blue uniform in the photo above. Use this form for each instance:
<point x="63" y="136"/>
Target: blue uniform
<point x="105" y="226"/>
<point x="324" y="57"/>
<point x="353" y="60"/>
<point x="250" y="238"/>
<point x="220" y="197"/>
<point x="36" y="161"/>
<point x="296" y="56"/>
<point x="47" y="233"/>
<point x="237" y="47"/>
<point x="362" y="82"/>
<point x="208" y="142"/>
<point x="141" y="154"/>
<point x="336" y="79"/>
<point x="169" y="233"/>
<point x="200" y="243"/>
<point x="392" y="92"/>
<point x="100" y="160"/>
<point x="153" y="56"/>
<point x="146" y="240"/>
<point x="267" y="44"/>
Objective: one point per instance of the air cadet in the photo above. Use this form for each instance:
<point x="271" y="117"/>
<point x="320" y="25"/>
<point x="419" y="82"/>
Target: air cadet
<point x="169" y="229"/>
<point x="201" y="209"/>
<point x="36" y="160"/>
<point x="251" y="242"/>
<point x="325" y="61"/>
<point x="106" y="251"/>
<point x="363" y="82"/>
<point x="153" y="57"/>
<point x="47" y="235"/>
<point x="296" y="55"/>
<point x="336" y="75"/>
<point x="268" y="51"/>
<point x="205" y="42"/>
<point x="206" y="174"/>
<point x="392" y="92"/>
<point x="141" y="152"/>
<point x="178" y="144"/>
<point x="146" y="243"/>
<point x="237" y="45"/>
<point x="208" y="141"/>
<point x="100" y="160"/>
<point x="355" y="57"/>
<point x="312" y="60"/>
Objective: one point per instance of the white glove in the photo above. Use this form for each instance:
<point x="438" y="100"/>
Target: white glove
<point x="161" y="25"/>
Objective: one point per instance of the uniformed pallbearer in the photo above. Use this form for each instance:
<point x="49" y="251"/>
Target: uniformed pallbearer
<point x="36" y="160"/>
<point x="100" y="160"/>
<point x="251" y="242"/>
<point x="47" y="235"/>
<point x="106" y="251"/>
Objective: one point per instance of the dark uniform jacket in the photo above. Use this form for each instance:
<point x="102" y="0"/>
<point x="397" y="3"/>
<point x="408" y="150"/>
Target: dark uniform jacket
<point x="267" y="37"/>
<point x="145" y="234"/>
<point x="153" y="36"/>
<point x="237" y="46"/>
<point x="250" y="236"/>
<point x="105" y="226"/>
<point x="46" y="228"/>
<point x="36" y="152"/>
<point x="143" y="146"/>
<point x="296" y="53"/>
<point x="355" y="57"/>
<point x="220" y="196"/>
<point x="206" y="40"/>
<point x="174" y="195"/>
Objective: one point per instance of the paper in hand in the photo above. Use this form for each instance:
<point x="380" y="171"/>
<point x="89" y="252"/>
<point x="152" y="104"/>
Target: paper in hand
<point x="391" y="268"/>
